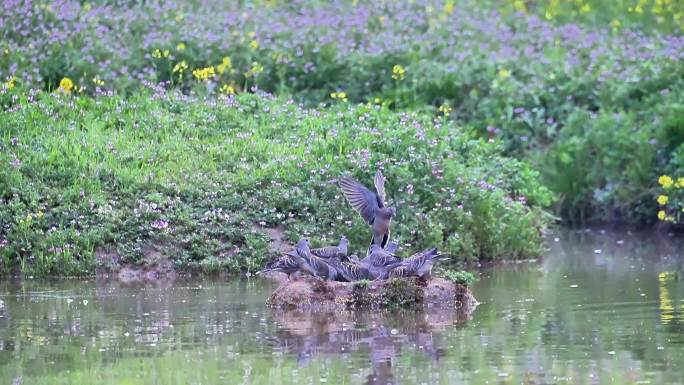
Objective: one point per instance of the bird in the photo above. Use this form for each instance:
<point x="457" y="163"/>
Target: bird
<point x="392" y="247"/>
<point x="371" y="206"/>
<point x="351" y="271"/>
<point x="339" y="251"/>
<point x="417" y="265"/>
<point x="312" y="264"/>
<point x="286" y="264"/>
<point x="376" y="272"/>
<point x="380" y="257"/>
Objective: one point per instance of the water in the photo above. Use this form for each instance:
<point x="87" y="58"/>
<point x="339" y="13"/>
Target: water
<point x="580" y="316"/>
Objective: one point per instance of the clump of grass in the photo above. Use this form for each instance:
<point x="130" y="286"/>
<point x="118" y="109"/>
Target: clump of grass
<point x="461" y="277"/>
<point x="401" y="292"/>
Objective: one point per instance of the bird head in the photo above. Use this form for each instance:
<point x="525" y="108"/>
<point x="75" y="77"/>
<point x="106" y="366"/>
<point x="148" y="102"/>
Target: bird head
<point x="303" y="242"/>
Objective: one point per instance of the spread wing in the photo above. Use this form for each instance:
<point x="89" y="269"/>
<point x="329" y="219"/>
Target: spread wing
<point x="380" y="187"/>
<point x="364" y="201"/>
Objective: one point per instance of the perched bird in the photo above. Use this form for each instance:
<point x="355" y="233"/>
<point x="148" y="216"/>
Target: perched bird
<point x="339" y="251"/>
<point x="392" y="247"/>
<point x="380" y="257"/>
<point x="286" y="264"/>
<point x="371" y="206"/>
<point x="382" y="266"/>
<point x="417" y="265"/>
<point x="312" y="264"/>
<point x="351" y="271"/>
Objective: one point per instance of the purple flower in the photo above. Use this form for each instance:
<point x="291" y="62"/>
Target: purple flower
<point x="160" y="224"/>
<point x="3" y="243"/>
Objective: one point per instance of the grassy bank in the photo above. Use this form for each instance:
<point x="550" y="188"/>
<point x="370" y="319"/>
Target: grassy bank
<point x="589" y="92"/>
<point x="91" y="183"/>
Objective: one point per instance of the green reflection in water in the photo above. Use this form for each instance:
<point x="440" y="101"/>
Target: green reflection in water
<point x="594" y="311"/>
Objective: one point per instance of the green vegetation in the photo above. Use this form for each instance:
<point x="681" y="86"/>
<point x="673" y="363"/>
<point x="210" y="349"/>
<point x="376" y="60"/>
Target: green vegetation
<point x="98" y="182"/>
<point x="401" y="292"/>
<point x="461" y="277"/>
<point x="589" y="93"/>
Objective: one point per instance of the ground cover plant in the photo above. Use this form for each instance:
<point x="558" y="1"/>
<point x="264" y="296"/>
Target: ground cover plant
<point x="588" y="92"/>
<point x="118" y="180"/>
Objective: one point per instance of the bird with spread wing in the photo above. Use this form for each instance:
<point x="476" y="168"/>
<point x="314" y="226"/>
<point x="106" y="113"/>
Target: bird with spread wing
<point x="371" y="206"/>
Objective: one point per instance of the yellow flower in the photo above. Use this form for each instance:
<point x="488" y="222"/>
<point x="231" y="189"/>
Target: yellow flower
<point x="226" y="89"/>
<point x="680" y="182"/>
<point x="504" y="73"/>
<point x="66" y="85"/>
<point x="398" y="72"/>
<point x="204" y="73"/>
<point x="225" y="65"/>
<point x="98" y="82"/>
<point x="377" y="101"/>
<point x="662" y="200"/>
<point x="180" y="67"/>
<point x="586" y="8"/>
<point x="254" y="45"/>
<point x="180" y="47"/>
<point x="339" y="95"/>
<point x="9" y="84"/>
<point x="255" y="70"/>
<point x="519" y="5"/>
<point x="448" y="7"/>
<point x="615" y="24"/>
<point x="157" y="53"/>
<point x="661" y="215"/>
<point x="665" y="181"/>
<point x="445" y="109"/>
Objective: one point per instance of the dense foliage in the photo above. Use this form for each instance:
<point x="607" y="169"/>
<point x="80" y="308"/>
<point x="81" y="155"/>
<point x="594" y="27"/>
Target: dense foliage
<point x="112" y="180"/>
<point x="589" y="92"/>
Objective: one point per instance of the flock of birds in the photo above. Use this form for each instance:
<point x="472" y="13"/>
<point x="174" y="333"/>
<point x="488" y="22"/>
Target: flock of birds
<point x="381" y="261"/>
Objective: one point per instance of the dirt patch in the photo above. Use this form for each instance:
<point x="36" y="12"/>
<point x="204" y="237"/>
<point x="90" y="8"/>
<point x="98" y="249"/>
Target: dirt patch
<point x="277" y="235"/>
<point x="157" y="266"/>
<point x="107" y="260"/>
<point x="312" y="293"/>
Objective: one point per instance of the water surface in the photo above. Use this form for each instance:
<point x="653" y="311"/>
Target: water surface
<point x="598" y="309"/>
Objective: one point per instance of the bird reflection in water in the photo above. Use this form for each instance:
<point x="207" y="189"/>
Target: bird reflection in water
<point x="308" y="334"/>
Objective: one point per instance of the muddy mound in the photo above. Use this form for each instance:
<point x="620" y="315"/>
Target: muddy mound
<point x="313" y="293"/>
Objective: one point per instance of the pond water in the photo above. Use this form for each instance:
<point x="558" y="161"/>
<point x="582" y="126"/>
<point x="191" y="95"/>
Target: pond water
<point x="598" y="309"/>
